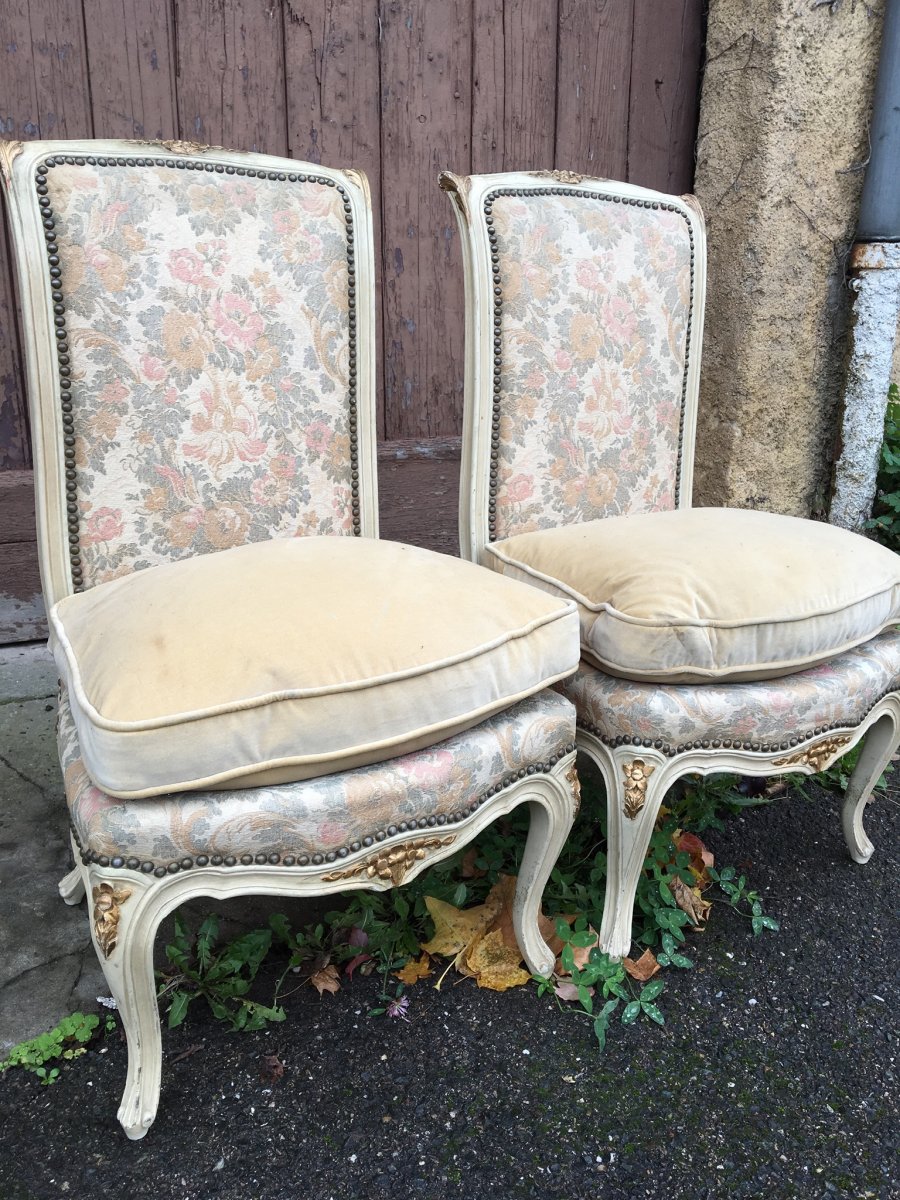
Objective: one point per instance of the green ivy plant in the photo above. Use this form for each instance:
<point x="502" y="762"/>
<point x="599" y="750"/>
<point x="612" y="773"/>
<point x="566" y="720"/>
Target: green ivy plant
<point x="885" y="521"/>
<point x="67" y="1040"/>
<point x="381" y="931"/>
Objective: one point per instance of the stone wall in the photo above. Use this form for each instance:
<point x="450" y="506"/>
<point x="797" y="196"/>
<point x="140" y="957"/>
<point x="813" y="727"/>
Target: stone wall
<point x="782" y="140"/>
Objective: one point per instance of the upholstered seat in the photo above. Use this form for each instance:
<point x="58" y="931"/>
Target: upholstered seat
<point x="700" y="629"/>
<point x="199" y="334"/>
<point x="326" y="822"/>
<point x="293" y="658"/>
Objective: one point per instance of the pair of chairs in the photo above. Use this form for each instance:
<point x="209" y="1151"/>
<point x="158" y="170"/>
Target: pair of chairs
<point x="306" y="714"/>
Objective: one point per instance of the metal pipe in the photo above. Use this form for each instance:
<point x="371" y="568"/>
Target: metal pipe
<point x="875" y="282"/>
<point x="879" y="211"/>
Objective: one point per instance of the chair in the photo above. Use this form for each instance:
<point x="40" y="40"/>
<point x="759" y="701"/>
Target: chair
<point x="712" y="640"/>
<point x="240" y="710"/>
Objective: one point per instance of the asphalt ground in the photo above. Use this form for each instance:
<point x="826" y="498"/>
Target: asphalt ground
<point x="776" y="1074"/>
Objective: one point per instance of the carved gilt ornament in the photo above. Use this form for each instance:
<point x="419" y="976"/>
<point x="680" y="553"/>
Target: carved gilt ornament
<point x="393" y="864"/>
<point x="815" y="756"/>
<point x="107" y="902"/>
<point x="637" y="773"/>
<point x="575" y="784"/>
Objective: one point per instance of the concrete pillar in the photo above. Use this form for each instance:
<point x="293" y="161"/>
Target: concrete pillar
<point x="783" y="135"/>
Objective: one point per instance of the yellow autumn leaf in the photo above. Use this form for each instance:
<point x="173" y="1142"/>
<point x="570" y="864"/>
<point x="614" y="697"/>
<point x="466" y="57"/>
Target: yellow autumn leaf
<point x="494" y="964"/>
<point x="415" y="970"/>
<point x="456" y="928"/>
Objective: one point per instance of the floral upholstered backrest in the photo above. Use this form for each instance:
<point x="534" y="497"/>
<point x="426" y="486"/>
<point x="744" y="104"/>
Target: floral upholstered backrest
<point x="584" y="316"/>
<point x="206" y="386"/>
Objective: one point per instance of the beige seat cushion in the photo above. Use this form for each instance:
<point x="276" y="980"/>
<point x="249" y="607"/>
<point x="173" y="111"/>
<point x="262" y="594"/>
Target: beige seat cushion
<point x="293" y="658"/>
<point x="707" y="593"/>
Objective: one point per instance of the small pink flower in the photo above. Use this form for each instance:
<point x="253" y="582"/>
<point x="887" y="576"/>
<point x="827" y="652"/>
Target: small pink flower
<point x="619" y="318"/>
<point x="285" y="221"/>
<point x="330" y="833"/>
<point x="104" y="525"/>
<point x="154" y="368"/>
<point x="318" y="436"/>
<point x="519" y="488"/>
<point x="114" y="393"/>
<point x="587" y="274"/>
<point x="188" y="266"/>
<point x="563" y="360"/>
<point x="239" y="193"/>
<point x="237" y="321"/>
<point x="170" y="396"/>
<point x="398" y="1007"/>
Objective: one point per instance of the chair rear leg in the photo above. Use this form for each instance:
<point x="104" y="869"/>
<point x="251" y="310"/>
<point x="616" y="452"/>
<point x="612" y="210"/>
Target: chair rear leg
<point x="71" y="886"/>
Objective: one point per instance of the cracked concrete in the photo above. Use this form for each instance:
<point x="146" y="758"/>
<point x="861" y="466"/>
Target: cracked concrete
<point x="47" y="965"/>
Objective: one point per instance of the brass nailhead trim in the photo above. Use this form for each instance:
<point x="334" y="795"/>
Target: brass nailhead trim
<point x="497" y="290"/>
<point x="62" y="344"/>
<point x="160" y="870"/>
<point x="671" y="751"/>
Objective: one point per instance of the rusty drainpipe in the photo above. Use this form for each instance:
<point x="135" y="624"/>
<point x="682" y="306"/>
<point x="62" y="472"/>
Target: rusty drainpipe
<point x="875" y="280"/>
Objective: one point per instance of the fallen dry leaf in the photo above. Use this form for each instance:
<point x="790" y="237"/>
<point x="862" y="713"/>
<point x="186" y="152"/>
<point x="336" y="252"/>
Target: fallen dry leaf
<point x="456" y="928"/>
<point x="701" y="858"/>
<point x="504" y="893"/>
<point x="690" y="901"/>
<point x="547" y="926"/>
<point x="643" y="968"/>
<point x="468" y="870"/>
<point x="494" y="964"/>
<point x="355" y="962"/>
<point x="326" y="979"/>
<point x="270" y="1068"/>
<point x="415" y="970"/>
<point x="482" y="939"/>
<point x="581" y="955"/>
<point x="567" y="990"/>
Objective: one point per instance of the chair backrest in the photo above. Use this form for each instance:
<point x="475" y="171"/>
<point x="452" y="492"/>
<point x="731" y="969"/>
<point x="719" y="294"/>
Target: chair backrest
<point x="584" y="315"/>
<point x="199" y="342"/>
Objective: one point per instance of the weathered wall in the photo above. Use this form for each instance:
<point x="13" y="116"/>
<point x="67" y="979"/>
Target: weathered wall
<point x="782" y="140"/>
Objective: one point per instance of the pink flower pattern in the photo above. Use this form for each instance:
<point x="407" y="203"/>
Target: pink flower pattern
<point x="315" y="815"/>
<point x="191" y="316"/>
<point x="595" y="303"/>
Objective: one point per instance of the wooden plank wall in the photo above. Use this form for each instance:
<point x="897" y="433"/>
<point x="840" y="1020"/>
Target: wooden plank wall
<point x="402" y="89"/>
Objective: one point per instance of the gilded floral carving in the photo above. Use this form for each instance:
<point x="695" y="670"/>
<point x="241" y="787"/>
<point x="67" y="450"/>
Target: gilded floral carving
<point x="575" y="785"/>
<point x="108" y="900"/>
<point x="637" y="773"/>
<point x="393" y="864"/>
<point x="816" y="756"/>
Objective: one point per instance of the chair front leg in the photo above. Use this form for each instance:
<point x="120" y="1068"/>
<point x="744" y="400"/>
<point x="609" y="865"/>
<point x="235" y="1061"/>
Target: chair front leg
<point x="636" y="781"/>
<point x="124" y="921"/>
<point x="551" y="818"/>
<point x="879" y="746"/>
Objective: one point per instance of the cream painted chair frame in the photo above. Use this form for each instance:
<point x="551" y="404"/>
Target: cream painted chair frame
<point x="127" y="905"/>
<point x="637" y="772"/>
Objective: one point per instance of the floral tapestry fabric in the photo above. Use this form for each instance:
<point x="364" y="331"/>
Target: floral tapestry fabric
<point x="317" y="816"/>
<point x="838" y="692"/>
<point x="595" y="301"/>
<point x="208" y="321"/>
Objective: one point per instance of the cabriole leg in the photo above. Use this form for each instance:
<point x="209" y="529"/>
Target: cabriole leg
<point x="880" y="743"/>
<point x="123" y="929"/>
<point x="635" y="786"/>
<point x="551" y="820"/>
